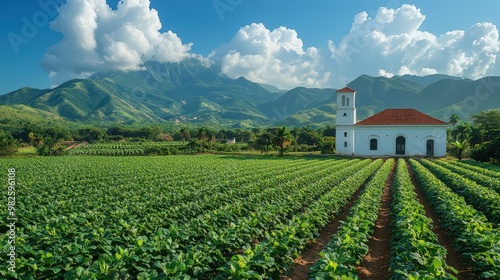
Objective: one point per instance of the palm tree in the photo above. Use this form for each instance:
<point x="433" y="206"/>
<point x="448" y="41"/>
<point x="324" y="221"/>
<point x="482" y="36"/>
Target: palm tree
<point x="210" y="137"/>
<point x="295" y="137"/>
<point x="475" y="137"/>
<point x="201" y="135"/>
<point x="462" y="130"/>
<point x="264" y="140"/>
<point x="185" y="134"/>
<point x="459" y="148"/>
<point x="454" y="119"/>
<point x="282" y="139"/>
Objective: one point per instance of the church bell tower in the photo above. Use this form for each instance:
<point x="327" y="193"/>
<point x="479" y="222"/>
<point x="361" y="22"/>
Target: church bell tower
<point x="345" y="120"/>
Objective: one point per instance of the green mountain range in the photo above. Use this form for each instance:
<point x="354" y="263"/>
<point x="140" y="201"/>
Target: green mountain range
<point x="194" y="92"/>
<point x="437" y="95"/>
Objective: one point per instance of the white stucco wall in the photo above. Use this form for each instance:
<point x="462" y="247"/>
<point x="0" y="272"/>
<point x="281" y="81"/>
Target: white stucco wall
<point x="416" y="138"/>
<point x="344" y="134"/>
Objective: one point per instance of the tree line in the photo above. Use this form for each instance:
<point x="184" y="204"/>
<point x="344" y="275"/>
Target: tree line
<point x="478" y="139"/>
<point x="49" y="140"/>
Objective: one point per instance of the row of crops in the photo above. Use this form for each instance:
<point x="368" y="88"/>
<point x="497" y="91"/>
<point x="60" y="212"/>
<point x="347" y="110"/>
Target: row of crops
<point x="349" y="244"/>
<point x="474" y="235"/>
<point x="235" y="217"/>
<point x="415" y="250"/>
<point x="127" y="149"/>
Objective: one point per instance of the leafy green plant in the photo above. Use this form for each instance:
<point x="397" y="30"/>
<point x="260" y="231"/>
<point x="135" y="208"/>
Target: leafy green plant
<point x="182" y="217"/>
<point x="350" y="244"/>
<point x="481" y="176"/>
<point x="415" y="250"/>
<point x="482" y="198"/>
<point x="286" y="241"/>
<point x="173" y="217"/>
<point x="474" y="236"/>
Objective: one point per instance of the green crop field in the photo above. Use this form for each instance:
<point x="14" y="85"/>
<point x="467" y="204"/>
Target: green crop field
<point x="238" y="217"/>
<point x="126" y="149"/>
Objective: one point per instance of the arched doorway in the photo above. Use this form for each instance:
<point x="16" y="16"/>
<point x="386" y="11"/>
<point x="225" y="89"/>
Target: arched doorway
<point x="400" y="145"/>
<point x="429" y="148"/>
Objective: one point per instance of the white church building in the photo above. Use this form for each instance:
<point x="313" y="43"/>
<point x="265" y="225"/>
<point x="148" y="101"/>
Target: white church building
<point x="392" y="132"/>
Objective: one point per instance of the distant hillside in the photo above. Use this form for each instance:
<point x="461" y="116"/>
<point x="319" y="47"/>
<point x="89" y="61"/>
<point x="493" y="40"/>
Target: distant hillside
<point x="16" y="116"/>
<point x="193" y="92"/>
<point x="23" y="113"/>
<point x="427" y="80"/>
<point x="170" y="92"/>
<point x="81" y="100"/>
<point x="297" y="99"/>
<point x="446" y="96"/>
<point x="374" y="94"/>
<point x="463" y="97"/>
<point x="272" y="88"/>
<point x="381" y="93"/>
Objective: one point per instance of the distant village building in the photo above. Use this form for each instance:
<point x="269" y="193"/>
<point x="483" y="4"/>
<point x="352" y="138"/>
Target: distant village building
<point x="231" y="141"/>
<point x="392" y="132"/>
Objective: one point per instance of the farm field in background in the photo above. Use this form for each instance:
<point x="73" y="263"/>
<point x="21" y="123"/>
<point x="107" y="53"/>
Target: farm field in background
<point x="244" y="217"/>
<point x="126" y="149"/>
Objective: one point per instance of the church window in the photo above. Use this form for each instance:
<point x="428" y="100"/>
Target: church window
<point x="347" y="102"/>
<point x="345" y="134"/>
<point x="345" y="115"/>
<point x="343" y="100"/>
<point x="345" y="144"/>
<point x="373" y="144"/>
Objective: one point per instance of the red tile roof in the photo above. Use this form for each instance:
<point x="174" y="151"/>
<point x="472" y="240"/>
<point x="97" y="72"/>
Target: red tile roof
<point x="401" y="117"/>
<point x="346" y="89"/>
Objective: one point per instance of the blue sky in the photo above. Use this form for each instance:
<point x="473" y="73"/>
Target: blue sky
<point x="304" y="44"/>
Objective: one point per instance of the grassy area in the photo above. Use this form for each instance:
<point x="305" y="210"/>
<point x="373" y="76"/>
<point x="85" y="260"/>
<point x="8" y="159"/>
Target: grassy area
<point x="270" y="153"/>
<point x="26" y="151"/>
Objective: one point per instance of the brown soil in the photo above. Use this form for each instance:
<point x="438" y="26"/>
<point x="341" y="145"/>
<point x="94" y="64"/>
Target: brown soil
<point x="453" y="258"/>
<point x="73" y="145"/>
<point x="300" y="268"/>
<point x="376" y="263"/>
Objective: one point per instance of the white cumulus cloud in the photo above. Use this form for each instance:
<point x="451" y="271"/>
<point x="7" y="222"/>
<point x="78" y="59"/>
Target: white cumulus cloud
<point x="275" y="57"/>
<point x="391" y="43"/>
<point x="97" y="38"/>
<point x="387" y="44"/>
